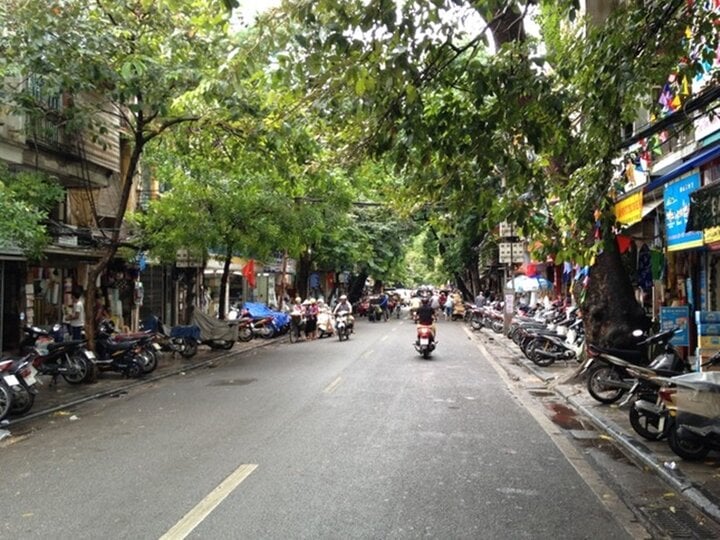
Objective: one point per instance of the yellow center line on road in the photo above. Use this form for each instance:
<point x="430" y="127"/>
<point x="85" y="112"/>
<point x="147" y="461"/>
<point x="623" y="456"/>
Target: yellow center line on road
<point x="203" y="509"/>
<point x="332" y="386"/>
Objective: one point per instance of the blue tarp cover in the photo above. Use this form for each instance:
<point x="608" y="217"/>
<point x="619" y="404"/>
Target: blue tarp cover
<point x="186" y="332"/>
<point x="257" y="309"/>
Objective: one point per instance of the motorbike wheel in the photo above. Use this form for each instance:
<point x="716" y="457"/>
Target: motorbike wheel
<point x="497" y="327"/>
<point x="148" y="360"/>
<point x="77" y="370"/>
<point x="476" y="323"/>
<point x="22" y="402"/>
<point x="686" y="448"/>
<point x="645" y="425"/>
<point x="267" y="331"/>
<point x="5" y="400"/>
<point x="535" y="351"/>
<point x="189" y="348"/>
<point x="599" y="384"/>
<point x="245" y="333"/>
<point x="134" y="370"/>
<point x="426" y="353"/>
<point x="227" y="344"/>
<point x="341" y="333"/>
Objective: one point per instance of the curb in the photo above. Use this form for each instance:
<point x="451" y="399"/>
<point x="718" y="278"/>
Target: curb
<point x="636" y="450"/>
<point x="145" y="380"/>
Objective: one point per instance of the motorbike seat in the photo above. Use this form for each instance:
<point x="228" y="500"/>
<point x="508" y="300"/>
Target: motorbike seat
<point x="112" y="345"/>
<point x="65" y="344"/>
<point x="630" y="355"/>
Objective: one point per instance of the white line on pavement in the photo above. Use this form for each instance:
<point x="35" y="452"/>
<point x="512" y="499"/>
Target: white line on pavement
<point x="332" y="386"/>
<point x="203" y="509"/>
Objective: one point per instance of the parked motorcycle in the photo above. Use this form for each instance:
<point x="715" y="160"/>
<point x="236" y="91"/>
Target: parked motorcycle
<point x="425" y="343"/>
<point x="119" y="356"/>
<point x="546" y="348"/>
<point x="177" y="339"/>
<point x="647" y="413"/>
<point x="215" y="333"/>
<point x="607" y="369"/>
<point x="325" y="324"/>
<point x="693" y="402"/>
<point x="19" y="385"/>
<point x="68" y="359"/>
<point x="149" y="350"/>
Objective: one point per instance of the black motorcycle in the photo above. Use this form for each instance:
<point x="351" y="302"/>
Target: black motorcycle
<point x="608" y="377"/>
<point x="119" y="356"/>
<point x="178" y="339"/>
<point x="67" y="359"/>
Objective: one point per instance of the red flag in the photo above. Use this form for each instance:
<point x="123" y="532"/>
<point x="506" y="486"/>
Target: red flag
<point x="248" y="272"/>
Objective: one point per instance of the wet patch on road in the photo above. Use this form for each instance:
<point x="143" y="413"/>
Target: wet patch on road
<point x="233" y="382"/>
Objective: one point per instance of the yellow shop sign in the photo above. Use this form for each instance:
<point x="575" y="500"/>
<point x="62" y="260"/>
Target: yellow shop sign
<point x="629" y="210"/>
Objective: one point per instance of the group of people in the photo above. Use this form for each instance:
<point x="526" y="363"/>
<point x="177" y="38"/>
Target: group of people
<point x="315" y="316"/>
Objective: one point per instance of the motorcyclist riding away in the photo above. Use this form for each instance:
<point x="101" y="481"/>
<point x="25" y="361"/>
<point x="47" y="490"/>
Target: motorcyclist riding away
<point x="425" y="315"/>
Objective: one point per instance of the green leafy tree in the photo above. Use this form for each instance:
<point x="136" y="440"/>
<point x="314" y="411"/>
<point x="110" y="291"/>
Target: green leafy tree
<point x="25" y="200"/>
<point x="146" y="63"/>
<point x="519" y="134"/>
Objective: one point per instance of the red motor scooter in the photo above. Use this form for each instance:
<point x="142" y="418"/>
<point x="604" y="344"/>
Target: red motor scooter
<point x="425" y="343"/>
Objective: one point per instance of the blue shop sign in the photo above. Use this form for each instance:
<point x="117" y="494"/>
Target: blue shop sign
<point x="673" y="316"/>
<point x="677" y="209"/>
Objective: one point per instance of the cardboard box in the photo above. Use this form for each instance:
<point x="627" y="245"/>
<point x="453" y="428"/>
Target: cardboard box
<point x="707" y="317"/>
<point x="709" y="342"/>
<point x="708" y="329"/>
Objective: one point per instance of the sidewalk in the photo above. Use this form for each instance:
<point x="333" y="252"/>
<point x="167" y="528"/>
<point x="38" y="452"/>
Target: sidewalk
<point x="63" y="396"/>
<point x="698" y="482"/>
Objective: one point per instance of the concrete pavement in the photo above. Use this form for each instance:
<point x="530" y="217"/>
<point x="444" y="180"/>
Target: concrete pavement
<point x="699" y="482"/>
<point x="62" y="397"/>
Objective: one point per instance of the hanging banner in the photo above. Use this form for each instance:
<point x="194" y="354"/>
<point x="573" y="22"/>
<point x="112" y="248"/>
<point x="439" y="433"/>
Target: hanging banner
<point x="629" y="210"/>
<point x="677" y="208"/>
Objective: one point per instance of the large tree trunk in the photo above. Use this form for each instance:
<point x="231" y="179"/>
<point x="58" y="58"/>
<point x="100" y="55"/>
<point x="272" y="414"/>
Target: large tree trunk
<point x="302" y="276"/>
<point x="610" y="311"/>
<point x="110" y="251"/>
<point x="224" y="283"/>
<point x="357" y="287"/>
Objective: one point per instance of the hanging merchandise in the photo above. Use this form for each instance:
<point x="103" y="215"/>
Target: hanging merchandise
<point x="657" y="264"/>
<point x="644" y="268"/>
<point x="623" y="242"/>
<point x="139" y="293"/>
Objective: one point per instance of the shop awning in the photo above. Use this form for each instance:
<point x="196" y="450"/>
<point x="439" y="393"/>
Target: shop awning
<point x="704" y="208"/>
<point x="696" y="160"/>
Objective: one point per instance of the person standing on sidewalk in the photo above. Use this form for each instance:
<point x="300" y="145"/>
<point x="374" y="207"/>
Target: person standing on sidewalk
<point x="76" y="319"/>
<point x="311" y="316"/>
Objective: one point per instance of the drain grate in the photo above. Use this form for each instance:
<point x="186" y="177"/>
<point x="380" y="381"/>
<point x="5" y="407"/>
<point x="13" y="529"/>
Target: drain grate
<point x="678" y="524"/>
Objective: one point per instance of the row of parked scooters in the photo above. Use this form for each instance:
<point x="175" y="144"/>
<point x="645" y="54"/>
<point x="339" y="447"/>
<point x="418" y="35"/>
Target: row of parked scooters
<point x="665" y="397"/>
<point x="50" y="353"/>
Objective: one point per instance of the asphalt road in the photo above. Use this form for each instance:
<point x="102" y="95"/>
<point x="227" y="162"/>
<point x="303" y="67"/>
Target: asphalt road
<point x="322" y="439"/>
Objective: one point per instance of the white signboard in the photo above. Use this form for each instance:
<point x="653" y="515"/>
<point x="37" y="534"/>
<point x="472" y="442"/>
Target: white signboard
<point x="511" y="252"/>
<point x="506" y="229"/>
<point x="185" y="260"/>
